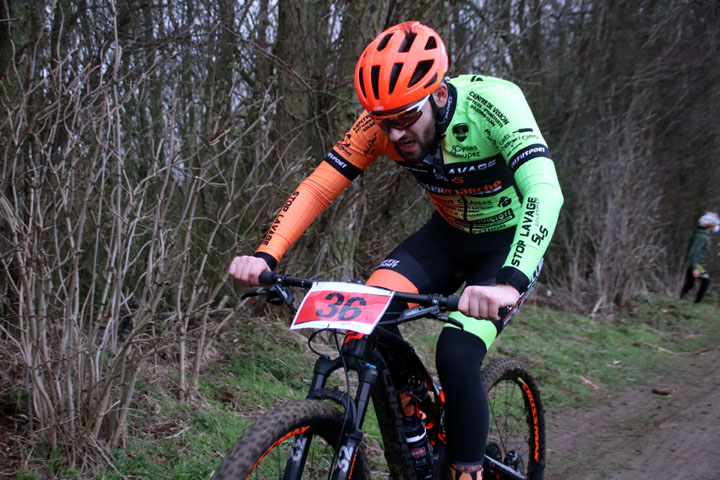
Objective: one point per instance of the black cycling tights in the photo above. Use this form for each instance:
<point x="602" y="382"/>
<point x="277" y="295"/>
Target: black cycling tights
<point x="459" y="356"/>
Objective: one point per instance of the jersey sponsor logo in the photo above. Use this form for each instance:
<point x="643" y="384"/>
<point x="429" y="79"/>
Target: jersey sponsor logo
<point x="476" y="167"/>
<point x="347" y="169"/>
<point x="529" y="220"/>
<point x="523" y="136"/>
<point x="462" y="202"/>
<point x="504" y="202"/>
<point x="290" y="201"/>
<point x="436" y="189"/>
<point x="344" y="144"/>
<point x="363" y="124"/>
<point x="528" y="217"/>
<point x="460" y="131"/>
<point x="518" y="252"/>
<point x="273" y="228"/>
<point x="486" y="109"/>
<point x="489" y="224"/>
<point x="527" y="154"/>
<point x="459" y="173"/>
<point x="389" y="263"/>
<point x="487" y="189"/>
<point x="502" y="217"/>
<point x="463" y="151"/>
<point x="276" y="223"/>
<point x="496" y="186"/>
<point x="371" y="145"/>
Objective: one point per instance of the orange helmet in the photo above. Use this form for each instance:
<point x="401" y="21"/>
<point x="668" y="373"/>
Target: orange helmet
<point x="402" y="66"/>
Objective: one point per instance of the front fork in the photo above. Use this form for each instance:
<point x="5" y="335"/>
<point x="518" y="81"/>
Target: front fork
<point x="346" y="451"/>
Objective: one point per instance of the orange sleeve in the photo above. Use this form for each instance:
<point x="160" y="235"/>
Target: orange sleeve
<point x="304" y="205"/>
<point x="348" y="158"/>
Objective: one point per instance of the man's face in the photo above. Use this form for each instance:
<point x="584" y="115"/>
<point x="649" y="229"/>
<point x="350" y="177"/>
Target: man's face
<point x="413" y="142"/>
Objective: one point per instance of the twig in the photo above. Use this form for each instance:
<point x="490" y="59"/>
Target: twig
<point x="665" y="350"/>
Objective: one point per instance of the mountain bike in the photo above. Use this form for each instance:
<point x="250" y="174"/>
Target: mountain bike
<point x="321" y="436"/>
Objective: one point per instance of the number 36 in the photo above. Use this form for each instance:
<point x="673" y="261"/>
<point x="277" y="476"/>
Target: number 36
<point x="340" y="308"/>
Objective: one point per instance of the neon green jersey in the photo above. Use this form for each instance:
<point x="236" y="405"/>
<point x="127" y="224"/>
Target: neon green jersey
<point x="495" y="170"/>
<point x="492" y="171"/>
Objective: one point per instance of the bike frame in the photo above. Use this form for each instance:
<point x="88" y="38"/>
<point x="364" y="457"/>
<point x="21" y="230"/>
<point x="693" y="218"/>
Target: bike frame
<point x="361" y="354"/>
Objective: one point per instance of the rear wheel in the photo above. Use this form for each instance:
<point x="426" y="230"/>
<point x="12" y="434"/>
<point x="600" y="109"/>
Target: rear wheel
<point x="264" y="450"/>
<point x="516" y="438"/>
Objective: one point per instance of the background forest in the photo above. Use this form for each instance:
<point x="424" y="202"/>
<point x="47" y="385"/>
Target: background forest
<point x="145" y="143"/>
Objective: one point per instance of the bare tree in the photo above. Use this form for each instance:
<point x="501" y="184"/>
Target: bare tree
<point x="145" y="143"/>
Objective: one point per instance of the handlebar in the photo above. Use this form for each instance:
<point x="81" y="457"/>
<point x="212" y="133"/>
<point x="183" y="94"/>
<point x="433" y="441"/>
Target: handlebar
<point x="448" y="303"/>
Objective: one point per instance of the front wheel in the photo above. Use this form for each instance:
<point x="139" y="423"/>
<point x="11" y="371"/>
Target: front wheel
<point x="516" y="439"/>
<point x="277" y="441"/>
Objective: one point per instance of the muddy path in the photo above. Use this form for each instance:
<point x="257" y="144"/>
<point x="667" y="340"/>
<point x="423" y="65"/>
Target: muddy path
<point x="667" y="429"/>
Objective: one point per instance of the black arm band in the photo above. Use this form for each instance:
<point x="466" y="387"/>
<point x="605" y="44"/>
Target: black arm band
<point x="269" y="259"/>
<point x="513" y="277"/>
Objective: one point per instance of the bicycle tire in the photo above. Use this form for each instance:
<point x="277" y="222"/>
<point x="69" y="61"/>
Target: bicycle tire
<point x="517" y="420"/>
<point x="261" y="452"/>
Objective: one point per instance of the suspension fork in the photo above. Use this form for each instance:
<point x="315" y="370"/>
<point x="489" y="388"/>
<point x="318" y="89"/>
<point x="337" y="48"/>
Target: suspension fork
<point x="353" y="354"/>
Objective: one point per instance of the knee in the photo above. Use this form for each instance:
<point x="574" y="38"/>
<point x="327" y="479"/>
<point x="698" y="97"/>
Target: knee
<point x="458" y="350"/>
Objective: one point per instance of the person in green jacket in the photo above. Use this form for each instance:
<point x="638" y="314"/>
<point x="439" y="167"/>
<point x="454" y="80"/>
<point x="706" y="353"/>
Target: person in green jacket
<point x="697" y="255"/>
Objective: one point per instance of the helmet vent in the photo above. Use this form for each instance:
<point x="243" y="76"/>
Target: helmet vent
<point x="383" y="43"/>
<point x="375" y="79"/>
<point x="362" y="83"/>
<point x="432" y="80"/>
<point x="422" y="69"/>
<point x="400" y="67"/>
<point x="397" y="67"/>
<point x="407" y="42"/>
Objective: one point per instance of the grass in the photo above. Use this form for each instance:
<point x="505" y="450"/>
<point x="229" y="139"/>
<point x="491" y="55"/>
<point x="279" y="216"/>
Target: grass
<point x="567" y="351"/>
<point x="260" y="363"/>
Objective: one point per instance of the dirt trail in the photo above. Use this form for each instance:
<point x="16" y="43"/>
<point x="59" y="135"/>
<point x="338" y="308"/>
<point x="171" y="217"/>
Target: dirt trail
<point x="644" y="434"/>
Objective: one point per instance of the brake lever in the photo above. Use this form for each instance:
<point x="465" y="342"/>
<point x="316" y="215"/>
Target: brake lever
<point x="502" y="313"/>
<point x="428" y="312"/>
<point x="252" y="293"/>
<point x="276" y="294"/>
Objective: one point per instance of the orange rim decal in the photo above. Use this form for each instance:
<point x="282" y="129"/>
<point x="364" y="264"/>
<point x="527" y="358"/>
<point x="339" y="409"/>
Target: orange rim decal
<point x="297" y="431"/>
<point x="352" y="465"/>
<point x="535" y="420"/>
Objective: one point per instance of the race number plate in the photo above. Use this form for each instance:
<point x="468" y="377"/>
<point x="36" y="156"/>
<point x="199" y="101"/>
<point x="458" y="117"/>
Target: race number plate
<point x="342" y="306"/>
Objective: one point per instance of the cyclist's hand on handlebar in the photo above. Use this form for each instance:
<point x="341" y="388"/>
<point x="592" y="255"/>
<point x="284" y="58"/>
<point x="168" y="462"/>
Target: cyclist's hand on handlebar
<point x="246" y="270"/>
<point x="483" y="302"/>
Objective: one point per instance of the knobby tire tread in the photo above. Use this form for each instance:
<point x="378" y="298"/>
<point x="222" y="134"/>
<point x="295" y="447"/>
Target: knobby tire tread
<point x="325" y="420"/>
<point x="395" y="449"/>
<point x="509" y="369"/>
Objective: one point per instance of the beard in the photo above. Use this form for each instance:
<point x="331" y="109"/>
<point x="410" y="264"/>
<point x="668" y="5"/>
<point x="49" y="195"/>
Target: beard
<point x="425" y="142"/>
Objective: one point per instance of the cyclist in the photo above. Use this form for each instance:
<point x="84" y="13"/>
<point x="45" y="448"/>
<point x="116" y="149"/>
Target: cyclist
<point x="472" y="143"/>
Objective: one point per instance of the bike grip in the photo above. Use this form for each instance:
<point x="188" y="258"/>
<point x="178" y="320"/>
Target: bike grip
<point x="452" y="303"/>
<point x="267" y="277"/>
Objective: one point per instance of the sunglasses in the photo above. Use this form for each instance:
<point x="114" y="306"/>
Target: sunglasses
<point x="408" y="117"/>
<point x="401" y="122"/>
